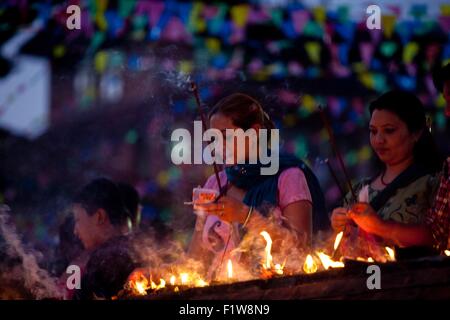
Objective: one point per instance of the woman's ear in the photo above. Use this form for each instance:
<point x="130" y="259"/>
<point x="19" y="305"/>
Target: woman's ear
<point x="101" y="217"/>
<point x="417" y="135"/>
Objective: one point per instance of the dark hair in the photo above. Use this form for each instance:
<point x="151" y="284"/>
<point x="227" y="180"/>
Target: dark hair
<point x="440" y="76"/>
<point x="411" y="111"/>
<point x="105" y="194"/>
<point x="130" y="198"/>
<point x="243" y="110"/>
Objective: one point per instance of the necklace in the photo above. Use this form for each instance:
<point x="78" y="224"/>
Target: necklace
<point x="382" y="178"/>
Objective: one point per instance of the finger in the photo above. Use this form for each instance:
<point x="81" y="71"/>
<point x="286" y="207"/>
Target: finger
<point x="210" y="206"/>
<point x="359" y="207"/>
<point x="340" y="215"/>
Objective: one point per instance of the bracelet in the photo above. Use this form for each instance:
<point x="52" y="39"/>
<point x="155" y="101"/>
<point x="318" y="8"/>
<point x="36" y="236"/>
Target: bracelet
<point x="248" y="216"/>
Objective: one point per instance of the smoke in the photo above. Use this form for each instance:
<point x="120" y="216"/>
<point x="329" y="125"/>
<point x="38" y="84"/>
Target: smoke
<point x="36" y="280"/>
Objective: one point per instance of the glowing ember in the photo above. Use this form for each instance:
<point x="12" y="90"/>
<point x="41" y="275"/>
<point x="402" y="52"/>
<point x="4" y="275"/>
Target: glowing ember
<point x="447" y="253"/>
<point x="310" y="265"/>
<point x="327" y="262"/>
<point x="370" y="259"/>
<point x="338" y="239"/>
<point x="200" y="283"/>
<point x="391" y="253"/>
<point x="278" y="269"/>
<point x="230" y="269"/>
<point x="266" y="237"/>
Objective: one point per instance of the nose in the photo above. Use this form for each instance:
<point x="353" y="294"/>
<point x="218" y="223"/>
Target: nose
<point x="379" y="139"/>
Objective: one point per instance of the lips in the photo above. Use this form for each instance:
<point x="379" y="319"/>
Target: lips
<point x="381" y="150"/>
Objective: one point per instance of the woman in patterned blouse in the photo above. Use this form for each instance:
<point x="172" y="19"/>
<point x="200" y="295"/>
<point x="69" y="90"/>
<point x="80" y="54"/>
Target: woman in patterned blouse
<point x="402" y="192"/>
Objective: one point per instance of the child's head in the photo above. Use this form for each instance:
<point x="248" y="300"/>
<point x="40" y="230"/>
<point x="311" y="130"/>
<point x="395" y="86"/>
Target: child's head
<point x="99" y="212"/>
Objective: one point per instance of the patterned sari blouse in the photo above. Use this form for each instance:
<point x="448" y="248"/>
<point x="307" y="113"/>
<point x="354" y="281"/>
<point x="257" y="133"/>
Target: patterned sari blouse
<point x="409" y="204"/>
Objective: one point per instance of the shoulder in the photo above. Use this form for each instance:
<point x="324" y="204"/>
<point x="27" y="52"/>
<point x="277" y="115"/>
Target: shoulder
<point x="293" y="174"/>
<point x="292" y="187"/>
<point x="116" y="251"/>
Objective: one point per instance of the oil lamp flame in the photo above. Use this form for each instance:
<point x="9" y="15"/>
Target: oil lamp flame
<point x="310" y="265"/>
<point x="391" y="253"/>
<point x="327" y="262"/>
<point x="230" y="269"/>
<point x="266" y="237"/>
<point x="338" y="239"/>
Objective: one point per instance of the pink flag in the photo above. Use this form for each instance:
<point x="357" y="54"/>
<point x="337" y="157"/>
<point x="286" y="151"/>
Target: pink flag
<point x="299" y="20"/>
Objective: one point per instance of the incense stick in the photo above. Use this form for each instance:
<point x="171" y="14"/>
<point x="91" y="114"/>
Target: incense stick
<point x="336" y="150"/>
<point x="194" y="90"/>
<point x="336" y="180"/>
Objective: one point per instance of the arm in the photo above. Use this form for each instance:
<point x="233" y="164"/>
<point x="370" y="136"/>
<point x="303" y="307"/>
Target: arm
<point x="405" y="235"/>
<point x="196" y="250"/>
<point x="299" y="219"/>
<point x="401" y="234"/>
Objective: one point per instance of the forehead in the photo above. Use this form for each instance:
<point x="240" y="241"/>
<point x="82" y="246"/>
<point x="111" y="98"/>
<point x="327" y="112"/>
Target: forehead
<point x="78" y="210"/>
<point x="384" y="117"/>
<point x="220" y="121"/>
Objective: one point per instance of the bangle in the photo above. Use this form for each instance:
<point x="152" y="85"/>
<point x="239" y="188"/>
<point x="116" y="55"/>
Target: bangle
<point x="248" y="216"/>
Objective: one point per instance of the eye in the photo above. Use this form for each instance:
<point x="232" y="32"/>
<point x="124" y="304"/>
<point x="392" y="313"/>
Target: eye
<point x="390" y="130"/>
<point x="373" y="131"/>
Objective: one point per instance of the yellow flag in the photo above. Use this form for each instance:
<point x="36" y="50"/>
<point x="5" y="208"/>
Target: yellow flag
<point x="445" y="10"/>
<point x="388" y="25"/>
<point x="319" y="14"/>
<point x="313" y="50"/>
<point x="308" y="102"/>
<point x="186" y="66"/>
<point x="239" y="14"/>
<point x="100" y="61"/>
<point x="213" y="45"/>
<point x="100" y="19"/>
<point x="410" y="51"/>
<point x="196" y="23"/>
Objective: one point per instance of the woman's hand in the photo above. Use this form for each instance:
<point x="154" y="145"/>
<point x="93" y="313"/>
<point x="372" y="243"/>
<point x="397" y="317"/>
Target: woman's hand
<point x="227" y="209"/>
<point x="339" y="219"/>
<point x="365" y="217"/>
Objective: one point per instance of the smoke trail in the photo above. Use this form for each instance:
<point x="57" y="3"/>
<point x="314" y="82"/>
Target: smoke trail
<point x="37" y="280"/>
